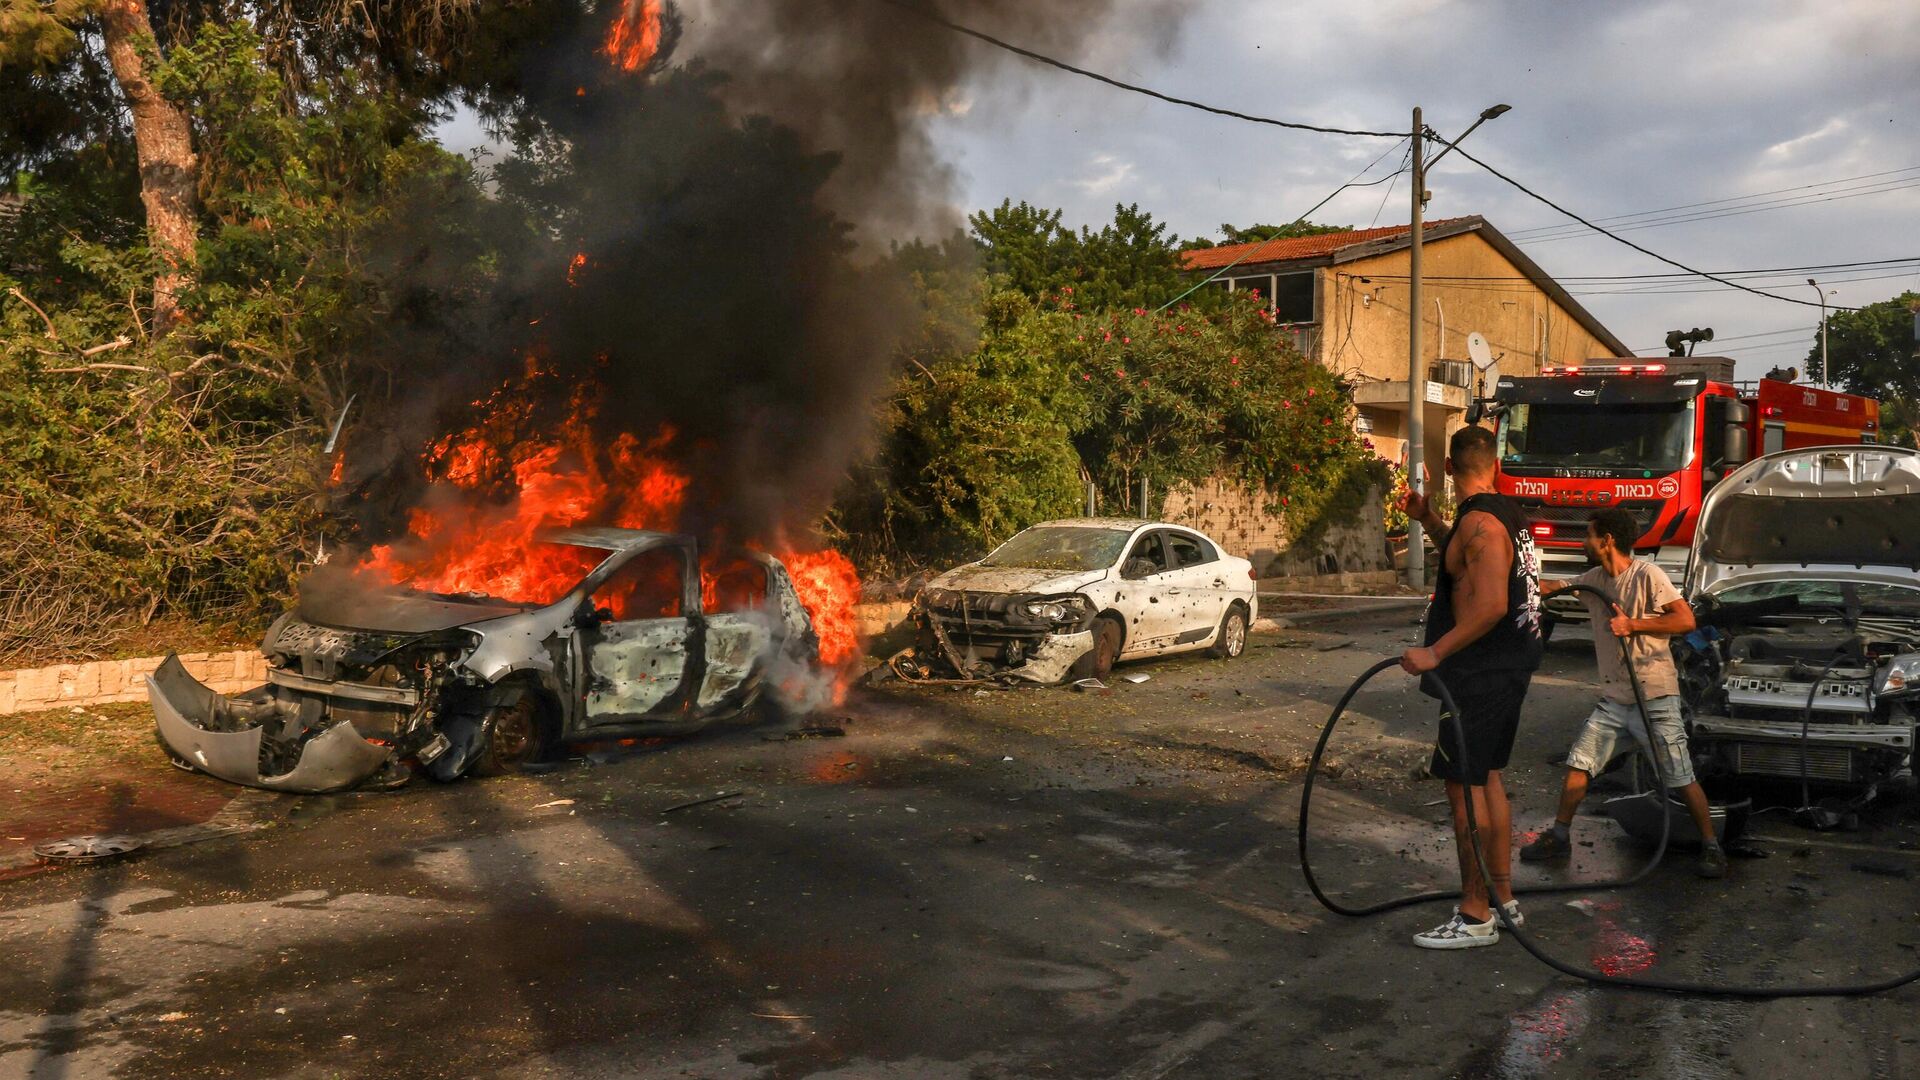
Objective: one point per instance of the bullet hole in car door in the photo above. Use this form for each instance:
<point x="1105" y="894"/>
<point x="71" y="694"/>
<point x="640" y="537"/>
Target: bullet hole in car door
<point x="1147" y="565"/>
<point x="1194" y="588"/>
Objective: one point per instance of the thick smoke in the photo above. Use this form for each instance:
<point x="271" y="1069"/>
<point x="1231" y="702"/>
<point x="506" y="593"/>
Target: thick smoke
<point x="726" y="200"/>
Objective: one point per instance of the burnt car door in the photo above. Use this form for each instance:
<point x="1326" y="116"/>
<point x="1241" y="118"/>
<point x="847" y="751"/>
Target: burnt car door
<point x="739" y="628"/>
<point x="639" y="639"/>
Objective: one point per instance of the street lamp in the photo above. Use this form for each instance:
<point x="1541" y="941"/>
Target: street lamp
<point x="1823" y="294"/>
<point x="1416" y="374"/>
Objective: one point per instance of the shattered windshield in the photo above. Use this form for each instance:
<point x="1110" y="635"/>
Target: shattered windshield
<point x="1813" y="596"/>
<point x="1654" y="438"/>
<point x="1060" y="547"/>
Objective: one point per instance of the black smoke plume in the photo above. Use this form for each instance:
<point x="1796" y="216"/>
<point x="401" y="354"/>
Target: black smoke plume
<point x="727" y="200"/>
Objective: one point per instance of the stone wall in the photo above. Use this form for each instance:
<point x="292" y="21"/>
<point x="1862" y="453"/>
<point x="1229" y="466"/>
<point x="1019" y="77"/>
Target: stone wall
<point x="106" y="681"/>
<point x="1237" y="517"/>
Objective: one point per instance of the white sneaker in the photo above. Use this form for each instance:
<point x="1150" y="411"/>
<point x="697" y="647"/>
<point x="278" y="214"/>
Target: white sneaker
<point x="1512" y="908"/>
<point x="1458" y="933"/>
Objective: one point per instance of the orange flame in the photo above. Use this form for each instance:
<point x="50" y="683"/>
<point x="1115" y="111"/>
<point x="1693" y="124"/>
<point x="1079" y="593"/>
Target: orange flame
<point x="574" y="266"/>
<point x="634" y="36"/>
<point x="494" y="489"/>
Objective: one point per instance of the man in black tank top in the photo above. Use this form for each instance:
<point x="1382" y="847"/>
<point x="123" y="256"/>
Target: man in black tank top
<point x="1483" y="639"/>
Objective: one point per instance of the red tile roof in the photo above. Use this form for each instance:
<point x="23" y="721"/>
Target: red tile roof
<point x="1296" y="247"/>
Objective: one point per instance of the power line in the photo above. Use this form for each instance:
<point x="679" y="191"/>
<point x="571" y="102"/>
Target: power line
<point x="1624" y="218"/>
<point x="1549" y="203"/>
<point x="1813" y="268"/>
<point x="1810" y="200"/>
<point x="1251" y="248"/>
<point x="1134" y="88"/>
<point x="1040" y="58"/>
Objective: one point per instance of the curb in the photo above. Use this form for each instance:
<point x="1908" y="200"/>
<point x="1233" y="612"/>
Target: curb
<point x="1268" y="624"/>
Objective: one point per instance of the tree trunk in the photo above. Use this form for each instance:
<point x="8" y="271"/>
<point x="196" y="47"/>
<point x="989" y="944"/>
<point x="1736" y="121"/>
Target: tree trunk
<point x="164" y="139"/>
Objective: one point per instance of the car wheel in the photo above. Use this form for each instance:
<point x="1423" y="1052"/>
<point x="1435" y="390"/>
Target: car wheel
<point x="1098" y="663"/>
<point x="518" y="737"/>
<point x="1231" y="641"/>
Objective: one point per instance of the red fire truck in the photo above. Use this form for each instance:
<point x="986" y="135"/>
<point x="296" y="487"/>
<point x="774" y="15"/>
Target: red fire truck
<point x="1650" y="437"/>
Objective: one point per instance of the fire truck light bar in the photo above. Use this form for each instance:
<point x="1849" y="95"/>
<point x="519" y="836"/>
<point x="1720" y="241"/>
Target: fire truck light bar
<point x="1607" y="369"/>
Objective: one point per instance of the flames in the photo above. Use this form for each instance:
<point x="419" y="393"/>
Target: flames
<point x="496" y="484"/>
<point x="634" y="36"/>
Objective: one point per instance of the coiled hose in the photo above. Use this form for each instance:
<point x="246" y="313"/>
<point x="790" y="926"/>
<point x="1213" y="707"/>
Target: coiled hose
<point x="1672" y="986"/>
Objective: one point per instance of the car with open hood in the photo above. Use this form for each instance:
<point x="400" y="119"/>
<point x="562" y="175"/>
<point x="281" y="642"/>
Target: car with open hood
<point x="1805" y="579"/>
<point x="639" y="637"/>
<point x="1068" y="599"/>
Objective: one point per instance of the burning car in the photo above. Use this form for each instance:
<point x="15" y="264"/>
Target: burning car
<point x="647" y="635"/>
<point x="1067" y="599"/>
<point x="1805" y="576"/>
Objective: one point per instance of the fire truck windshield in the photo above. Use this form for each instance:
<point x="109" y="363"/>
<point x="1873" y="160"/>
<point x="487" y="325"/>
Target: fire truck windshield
<point x="1657" y="437"/>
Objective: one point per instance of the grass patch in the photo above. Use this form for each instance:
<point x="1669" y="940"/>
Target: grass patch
<point x="73" y="736"/>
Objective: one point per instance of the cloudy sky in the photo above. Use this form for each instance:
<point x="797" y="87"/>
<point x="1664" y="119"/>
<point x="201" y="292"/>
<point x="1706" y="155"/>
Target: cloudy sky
<point x="1619" y="109"/>
<point x="1784" y="133"/>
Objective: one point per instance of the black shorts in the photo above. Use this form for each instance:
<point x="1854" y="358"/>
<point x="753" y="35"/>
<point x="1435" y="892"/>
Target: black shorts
<point x="1490" y="705"/>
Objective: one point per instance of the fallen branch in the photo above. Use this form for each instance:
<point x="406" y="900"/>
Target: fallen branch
<point x="100" y="367"/>
<point x="22" y="297"/>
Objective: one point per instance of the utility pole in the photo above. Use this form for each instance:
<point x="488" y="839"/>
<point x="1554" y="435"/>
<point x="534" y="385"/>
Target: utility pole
<point x="1416" y="374"/>
<point x="1822" y="293"/>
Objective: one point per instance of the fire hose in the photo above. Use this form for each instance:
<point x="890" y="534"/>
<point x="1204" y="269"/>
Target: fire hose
<point x="1453" y="721"/>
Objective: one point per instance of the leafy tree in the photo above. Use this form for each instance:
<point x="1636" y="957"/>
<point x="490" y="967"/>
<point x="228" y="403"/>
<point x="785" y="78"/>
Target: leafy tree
<point x="985" y="443"/>
<point x="178" y="474"/>
<point x="1127" y="262"/>
<point x="1871" y="351"/>
<point x="1257" y="233"/>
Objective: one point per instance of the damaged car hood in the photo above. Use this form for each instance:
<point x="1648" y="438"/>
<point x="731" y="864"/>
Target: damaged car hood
<point x="1842" y="513"/>
<point x="1014" y="579"/>
<point x="330" y="600"/>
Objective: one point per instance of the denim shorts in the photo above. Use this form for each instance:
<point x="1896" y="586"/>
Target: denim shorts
<point x="1599" y="739"/>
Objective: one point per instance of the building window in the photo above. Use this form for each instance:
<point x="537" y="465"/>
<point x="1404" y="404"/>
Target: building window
<point x="1288" y="296"/>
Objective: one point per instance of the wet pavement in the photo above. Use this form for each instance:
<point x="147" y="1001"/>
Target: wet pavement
<point x="968" y="884"/>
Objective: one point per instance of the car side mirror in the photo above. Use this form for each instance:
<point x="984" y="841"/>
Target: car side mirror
<point x="1735" y="447"/>
<point x="592" y="615"/>
<point x="1136" y="569"/>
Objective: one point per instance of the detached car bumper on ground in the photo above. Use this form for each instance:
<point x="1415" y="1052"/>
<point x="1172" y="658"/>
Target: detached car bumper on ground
<point x="366" y="683"/>
<point x="1068" y="599"/>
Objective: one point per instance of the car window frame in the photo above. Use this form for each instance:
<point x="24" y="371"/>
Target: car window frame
<point x="1157" y="537"/>
<point x="1209" y="551"/>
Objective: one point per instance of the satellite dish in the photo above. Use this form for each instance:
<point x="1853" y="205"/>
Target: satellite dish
<point x="1477" y="350"/>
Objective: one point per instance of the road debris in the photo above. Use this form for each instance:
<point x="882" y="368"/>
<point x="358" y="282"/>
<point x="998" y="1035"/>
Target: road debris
<point x="1135" y="679"/>
<point x="1086" y="685"/>
<point x="702" y="802"/>
<point x="556" y="802"/>
<point x="86" y="849"/>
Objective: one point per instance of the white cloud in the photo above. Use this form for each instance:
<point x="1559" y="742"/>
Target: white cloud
<point x="1112" y="172"/>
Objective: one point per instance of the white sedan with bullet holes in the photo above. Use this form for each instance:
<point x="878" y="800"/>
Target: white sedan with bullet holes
<point x="1069" y="599"/>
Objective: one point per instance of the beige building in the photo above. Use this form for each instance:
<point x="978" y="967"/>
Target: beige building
<point x="1343" y="296"/>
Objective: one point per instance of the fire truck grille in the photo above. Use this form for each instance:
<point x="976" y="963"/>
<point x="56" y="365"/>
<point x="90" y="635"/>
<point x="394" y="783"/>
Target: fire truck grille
<point x="1645" y="512"/>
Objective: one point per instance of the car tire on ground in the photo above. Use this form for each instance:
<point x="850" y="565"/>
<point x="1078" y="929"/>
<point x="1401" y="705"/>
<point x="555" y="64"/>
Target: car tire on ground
<point x="1231" y="641"/>
<point x="517" y="735"/>
<point x="1098" y="662"/>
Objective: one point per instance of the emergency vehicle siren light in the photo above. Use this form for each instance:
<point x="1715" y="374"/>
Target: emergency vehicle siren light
<point x="1607" y="369"/>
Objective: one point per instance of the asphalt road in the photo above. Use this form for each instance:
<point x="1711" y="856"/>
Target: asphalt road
<point x="1001" y="884"/>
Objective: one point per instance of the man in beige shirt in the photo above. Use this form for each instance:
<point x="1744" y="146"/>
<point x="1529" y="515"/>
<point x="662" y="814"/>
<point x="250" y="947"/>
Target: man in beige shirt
<point x="1647" y="612"/>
